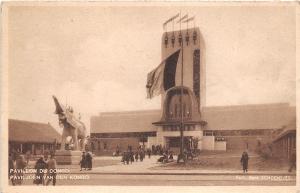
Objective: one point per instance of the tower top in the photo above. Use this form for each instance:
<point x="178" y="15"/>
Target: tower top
<point x="171" y="40"/>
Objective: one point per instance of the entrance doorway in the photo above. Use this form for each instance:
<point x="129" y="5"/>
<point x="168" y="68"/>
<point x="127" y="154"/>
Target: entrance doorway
<point x="173" y="143"/>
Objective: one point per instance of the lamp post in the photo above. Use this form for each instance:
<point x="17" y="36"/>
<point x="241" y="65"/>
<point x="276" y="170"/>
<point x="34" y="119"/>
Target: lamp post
<point x="181" y="155"/>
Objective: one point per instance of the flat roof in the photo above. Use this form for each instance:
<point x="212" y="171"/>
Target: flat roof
<point x="239" y="117"/>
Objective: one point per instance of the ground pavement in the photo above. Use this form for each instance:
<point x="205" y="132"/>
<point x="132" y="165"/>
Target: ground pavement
<point x="111" y="171"/>
<point x="151" y="166"/>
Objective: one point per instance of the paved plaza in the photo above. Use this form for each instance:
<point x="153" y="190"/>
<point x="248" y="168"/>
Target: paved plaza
<point x="151" y="172"/>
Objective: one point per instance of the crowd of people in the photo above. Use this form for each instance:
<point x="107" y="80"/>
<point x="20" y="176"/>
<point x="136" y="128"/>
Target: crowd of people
<point x="166" y="157"/>
<point x="45" y="168"/>
<point x="41" y="165"/>
<point x="158" y="149"/>
<point x="130" y="156"/>
<point x="16" y="161"/>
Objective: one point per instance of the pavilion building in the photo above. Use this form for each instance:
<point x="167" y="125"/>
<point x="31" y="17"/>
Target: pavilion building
<point x="208" y="127"/>
<point x="37" y="138"/>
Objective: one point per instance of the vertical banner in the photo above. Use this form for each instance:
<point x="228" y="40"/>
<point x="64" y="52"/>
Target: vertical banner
<point x="196" y="76"/>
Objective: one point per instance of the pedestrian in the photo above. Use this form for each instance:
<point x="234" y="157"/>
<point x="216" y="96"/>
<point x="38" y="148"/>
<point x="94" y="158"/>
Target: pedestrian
<point x="127" y="157"/>
<point x="83" y="161"/>
<point x="244" y="161"/>
<point x="51" y="170"/>
<point x="14" y="155"/>
<point x="153" y="149"/>
<point x="171" y="158"/>
<point x="136" y="156"/>
<point x="142" y="155"/>
<point x="11" y="167"/>
<point x="123" y="157"/>
<point x="27" y="156"/>
<point x="20" y="165"/>
<point x="161" y="151"/>
<point x="40" y="167"/>
<point x="157" y="150"/>
<point x="89" y="160"/>
<point x="149" y="152"/>
<point x="292" y="162"/>
<point x="131" y="157"/>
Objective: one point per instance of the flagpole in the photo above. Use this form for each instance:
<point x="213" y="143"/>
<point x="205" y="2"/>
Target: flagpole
<point x="181" y="103"/>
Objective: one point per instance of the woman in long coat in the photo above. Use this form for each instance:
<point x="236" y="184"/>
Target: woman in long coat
<point x="244" y="161"/>
<point x="20" y="164"/>
<point x="40" y="166"/>
<point x="11" y="167"/>
<point x="83" y="163"/>
<point x="89" y="161"/>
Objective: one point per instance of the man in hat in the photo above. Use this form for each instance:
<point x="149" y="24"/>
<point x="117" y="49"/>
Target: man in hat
<point x="51" y="170"/>
<point x="83" y="161"/>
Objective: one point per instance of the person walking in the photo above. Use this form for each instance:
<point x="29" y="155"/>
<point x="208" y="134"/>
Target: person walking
<point x="83" y="161"/>
<point x="171" y="156"/>
<point x="142" y="155"/>
<point x="11" y="167"/>
<point x="89" y="161"/>
<point x="292" y="162"/>
<point x="127" y="157"/>
<point x="131" y="157"/>
<point x="124" y="157"/>
<point x="153" y="149"/>
<point x="136" y="156"/>
<point x="51" y="170"/>
<point x="149" y="152"/>
<point x="20" y="164"/>
<point x="244" y="161"/>
<point x="40" y="166"/>
<point x="27" y="157"/>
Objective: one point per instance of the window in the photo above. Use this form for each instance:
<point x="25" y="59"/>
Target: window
<point x="208" y="133"/>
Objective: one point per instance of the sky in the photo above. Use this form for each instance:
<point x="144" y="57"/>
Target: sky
<point x="96" y="58"/>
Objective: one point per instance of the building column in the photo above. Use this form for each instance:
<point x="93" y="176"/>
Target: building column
<point x="43" y="148"/>
<point x="285" y="146"/>
<point x="160" y="136"/>
<point x="21" y="148"/>
<point x="289" y="147"/>
<point x="199" y="136"/>
<point x="32" y="149"/>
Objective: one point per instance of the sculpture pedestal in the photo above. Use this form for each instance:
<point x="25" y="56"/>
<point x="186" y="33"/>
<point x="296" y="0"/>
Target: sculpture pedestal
<point x="68" y="157"/>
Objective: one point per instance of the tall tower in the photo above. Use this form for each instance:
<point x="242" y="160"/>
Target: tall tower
<point x="181" y="121"/>
<point x="193" y="65"/>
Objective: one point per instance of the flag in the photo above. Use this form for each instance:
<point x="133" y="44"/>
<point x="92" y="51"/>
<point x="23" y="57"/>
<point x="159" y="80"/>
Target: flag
<point x="169" y="20"/>
<point x="162" y="77"/>
<point x="182" y="18"/>
<point x="189" y="19"/>
<point x="154" y="81"/>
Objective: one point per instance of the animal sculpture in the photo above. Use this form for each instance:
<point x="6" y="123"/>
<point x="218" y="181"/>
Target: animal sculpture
<point x="71" y="125"/>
